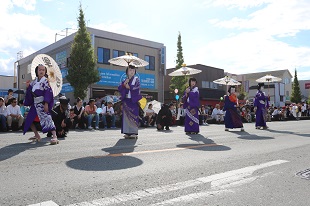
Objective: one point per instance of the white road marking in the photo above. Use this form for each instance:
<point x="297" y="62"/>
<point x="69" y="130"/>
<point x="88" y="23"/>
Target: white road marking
<point x="190" y="197"/>
<point x="47" y="203"/>
<point x="218" y="181"/>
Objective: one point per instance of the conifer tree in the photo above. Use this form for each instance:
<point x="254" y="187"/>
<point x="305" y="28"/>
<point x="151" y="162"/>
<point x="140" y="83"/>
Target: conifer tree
<point x="296" y="93"/>
<point x="81" y="69"/>
<point x="179" y="82"/>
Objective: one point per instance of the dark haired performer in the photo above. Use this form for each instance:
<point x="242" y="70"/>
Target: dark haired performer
<point x="39" y="96"/>
<point x="232" y="118"/>
<point x="130" y="95"/>
<point x="191" y="105"/>
<point x="261" y="105"/>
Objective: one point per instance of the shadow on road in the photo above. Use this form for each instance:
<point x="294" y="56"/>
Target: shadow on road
<point x="248" y="136"/>
<point x="288" y="132"/>
<point x="203" y="144"/>
<point x="117" y="159"/>
<point x="15" y="149"/>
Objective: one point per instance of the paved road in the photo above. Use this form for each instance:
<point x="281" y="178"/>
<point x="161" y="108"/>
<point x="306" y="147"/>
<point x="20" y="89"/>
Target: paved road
<point x="255" y="167"/>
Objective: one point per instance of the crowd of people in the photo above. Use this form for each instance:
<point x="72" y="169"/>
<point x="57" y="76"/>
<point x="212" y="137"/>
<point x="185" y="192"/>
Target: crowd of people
<point x="38" y="111"/>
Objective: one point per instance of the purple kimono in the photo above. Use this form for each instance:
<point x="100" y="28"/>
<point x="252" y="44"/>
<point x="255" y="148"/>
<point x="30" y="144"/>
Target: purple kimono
<point x="130" y="98"/>
<point x="191" y="104"/>
<point x="262" y="103"/>
<point x="232" y="119"/>
<point x="37" y="93"/>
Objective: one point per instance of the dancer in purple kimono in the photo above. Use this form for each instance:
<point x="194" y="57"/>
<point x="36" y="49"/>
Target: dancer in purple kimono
<point x="130" y="95"/>
<point x="39" y="96"/>
<point x="232" y="118"/>
<point x="191" y="105"/>
<point x="261" y="105"/>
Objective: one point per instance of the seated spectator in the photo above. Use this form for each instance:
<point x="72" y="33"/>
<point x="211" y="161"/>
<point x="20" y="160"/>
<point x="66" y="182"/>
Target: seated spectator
<point x="217" y="114"/>
<point x="91" y="113"/>
<point x="181" y="115"/>
<point x="203" y="116"/>
<point x="79" y="119"/>
<point x="8" y="98"/>
<point x="14" y="115"/>
<point x="61" y="118"/>
<point x="276" y="114"/>
<point x="118" y="111"/>
<point x="150" y="116"/>
<point x="164" y="118"/>
<point x="108" y="114"/>
<point x="3" y="115"/>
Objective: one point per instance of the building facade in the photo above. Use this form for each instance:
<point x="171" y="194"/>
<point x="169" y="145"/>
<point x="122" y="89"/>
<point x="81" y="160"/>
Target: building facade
<point x="279" y="92"/>
<point x="210" y="93"/>
<point x="304" y="89"/>
<point x="106" y="45"/>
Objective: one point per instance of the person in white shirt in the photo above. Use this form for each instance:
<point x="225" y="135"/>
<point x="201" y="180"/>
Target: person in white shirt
<point x="2" y="115"/>
<point x="181" y="115"/>
<point x="276" y="114"/>
<point x="150" y="115"/>
<point x="217" y="114"/>
<point x="108" y="112"/>
<point x="14" y="114"/>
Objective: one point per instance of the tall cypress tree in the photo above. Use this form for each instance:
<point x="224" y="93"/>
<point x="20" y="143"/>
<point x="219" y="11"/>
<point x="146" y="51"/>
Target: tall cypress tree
<point x="296" y="93"/>
<point x="179" y="82"/>
<point x="81" y="68"/>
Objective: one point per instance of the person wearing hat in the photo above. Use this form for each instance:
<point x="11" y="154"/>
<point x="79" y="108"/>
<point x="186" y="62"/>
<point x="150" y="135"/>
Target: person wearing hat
<point x="261" y="105"/>
<point x="130" y="96"/>
<point x="232" y="119"/>
<point x="191" y="105"/>
<point x="61" y="118"/>
<point x="39" y="96"/>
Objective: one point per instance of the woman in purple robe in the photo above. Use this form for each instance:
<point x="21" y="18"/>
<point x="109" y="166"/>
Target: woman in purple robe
<point x="130" y="96"/>
<point x="39" y="96"/>
<point x="191" y="105"/>
<point x="232" y="118"/>
<point x="261" y="105"/>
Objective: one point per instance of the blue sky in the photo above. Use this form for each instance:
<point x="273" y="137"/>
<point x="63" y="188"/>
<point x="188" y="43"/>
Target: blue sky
<point x="239" y="36"/>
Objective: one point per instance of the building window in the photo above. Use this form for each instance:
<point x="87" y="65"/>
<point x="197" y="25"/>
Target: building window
<point x="205" y="84"/>
<point x="287" y="93"/>
<point x="117" y="53"/>
<point x="103" y="55"/>
<point x="213" y="85"/>
<point x="151" y="61"/>
<point x="281" y="98"/>
<point x="287" y="81"/>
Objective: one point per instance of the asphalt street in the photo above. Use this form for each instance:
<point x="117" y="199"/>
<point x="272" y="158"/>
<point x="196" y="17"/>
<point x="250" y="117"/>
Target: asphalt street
<point x="214" y="167"/>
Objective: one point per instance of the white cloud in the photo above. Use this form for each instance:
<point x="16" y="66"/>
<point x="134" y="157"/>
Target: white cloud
<point x="255" y="43"/>
<point x="21" y="30"/>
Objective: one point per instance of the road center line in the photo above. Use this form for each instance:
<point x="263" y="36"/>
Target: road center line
<point x="155" y="151"/>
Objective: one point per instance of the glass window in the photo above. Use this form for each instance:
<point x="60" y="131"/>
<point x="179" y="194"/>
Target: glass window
<point x="151" y="61"/>
<point x="205" y="84"/>
<point x="117" y="53"/>
<point x="103" y="55"/>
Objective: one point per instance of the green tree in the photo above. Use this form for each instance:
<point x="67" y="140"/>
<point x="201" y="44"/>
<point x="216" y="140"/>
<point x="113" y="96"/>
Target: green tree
<point x="296" y="94"/>
<point x="82" y="70"/>
<point x="180" y="82"/>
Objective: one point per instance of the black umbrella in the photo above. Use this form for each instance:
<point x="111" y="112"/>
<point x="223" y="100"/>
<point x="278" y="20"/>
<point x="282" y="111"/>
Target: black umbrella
<point x="19" y="91"/>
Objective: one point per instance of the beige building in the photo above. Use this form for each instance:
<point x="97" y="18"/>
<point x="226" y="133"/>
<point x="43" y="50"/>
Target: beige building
<point x="279" y="92"/>
<point x="106" y="45"/>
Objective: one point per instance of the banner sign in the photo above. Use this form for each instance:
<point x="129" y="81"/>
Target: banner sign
<point x="66" y="88"/>
<point x="113" y="78"/>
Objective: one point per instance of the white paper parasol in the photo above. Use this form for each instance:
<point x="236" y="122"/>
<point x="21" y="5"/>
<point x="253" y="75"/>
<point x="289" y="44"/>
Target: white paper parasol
<point x="127" y="60"/>
<point x="183" y="71"/>
<point x="53" y="71"/>
<point x="227" y="81"/>
<point x="268" y="78"/>
<point x="156" y="106"/>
